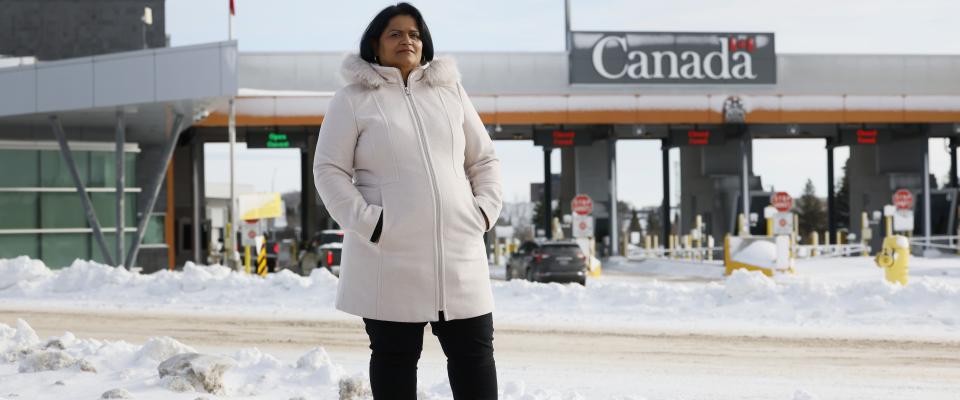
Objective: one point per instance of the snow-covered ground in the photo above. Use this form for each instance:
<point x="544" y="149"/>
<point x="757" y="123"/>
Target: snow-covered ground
<point x="845" y="298"/>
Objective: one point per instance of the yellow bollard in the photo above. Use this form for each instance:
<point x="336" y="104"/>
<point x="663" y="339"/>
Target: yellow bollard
<point x="656" y="243"/>
<point x="894" y="258"/>
<point x="698" y="226"/>
<point x="262" y="258"/>
<point x="888" y="222"/>
<point x="670" y="247"/>
<point x="687" y="243"/>
<point x="769" y="227"/>
<point x="710" y="244"/>
<point x="742" y="225"/>
<point x="246" y="259"/>
<point x="814" y="242"/>
<point x="624" y="242"/>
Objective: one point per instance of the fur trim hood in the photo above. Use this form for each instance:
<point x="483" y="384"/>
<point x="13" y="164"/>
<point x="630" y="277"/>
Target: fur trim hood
<point x="439" y="72"/>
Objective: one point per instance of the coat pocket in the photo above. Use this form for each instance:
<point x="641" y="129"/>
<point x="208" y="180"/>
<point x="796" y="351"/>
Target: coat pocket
<point x="373" y="195"/>
<point x="482" y="221"/>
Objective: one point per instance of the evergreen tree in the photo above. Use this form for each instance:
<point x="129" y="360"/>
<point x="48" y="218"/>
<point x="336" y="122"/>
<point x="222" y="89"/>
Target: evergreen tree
<point x="537" y="221"/>
<point x="811" y="212"/>
<point x="842" y="200"/>
<point x="634" y="222"/>
<point x="653" y="221"/>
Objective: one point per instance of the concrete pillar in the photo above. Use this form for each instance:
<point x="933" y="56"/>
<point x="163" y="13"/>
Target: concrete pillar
<point x="197" y="201"/>
<point x="745" y="175"/>
<point x="308" y="191"/>
<point x="665" y="205"/>
<point x="612" y="179"/>
<point x="926" y="192"/>
<point x="831" y="197"/>
<point x="568" y="182"/>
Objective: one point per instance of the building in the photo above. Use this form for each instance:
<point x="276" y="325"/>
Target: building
<point x="709" y="94"/>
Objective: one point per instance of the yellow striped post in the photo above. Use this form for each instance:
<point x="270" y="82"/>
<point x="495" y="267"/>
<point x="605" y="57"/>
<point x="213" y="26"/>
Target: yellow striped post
<point x="262" y="259"/>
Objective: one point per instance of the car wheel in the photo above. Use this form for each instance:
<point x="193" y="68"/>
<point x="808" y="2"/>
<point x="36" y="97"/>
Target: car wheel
<point x="530" y="275"/>
<point x="508" y="275"/>
<point x="583" y="282"/>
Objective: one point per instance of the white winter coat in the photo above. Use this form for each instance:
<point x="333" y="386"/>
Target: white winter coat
<point x="420" y="156"/>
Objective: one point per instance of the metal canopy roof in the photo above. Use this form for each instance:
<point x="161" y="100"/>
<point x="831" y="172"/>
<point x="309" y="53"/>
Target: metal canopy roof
<point x="293" y="88"/>
<point x="149" y="86"/>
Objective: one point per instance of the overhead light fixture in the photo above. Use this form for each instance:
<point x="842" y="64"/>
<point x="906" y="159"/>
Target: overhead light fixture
<point x="640" y="130"/>
<point x="498" y="128"/>
<point x="793" y="129"/>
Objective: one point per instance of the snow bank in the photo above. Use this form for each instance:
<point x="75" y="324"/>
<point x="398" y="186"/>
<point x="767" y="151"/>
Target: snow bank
<point x="134" y="370"/>
<point x="199" y="288"/>
<point x="848" y="293"/>
<point x="22" y="271"/>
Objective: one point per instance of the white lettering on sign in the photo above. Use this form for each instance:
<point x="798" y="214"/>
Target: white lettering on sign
<point x="688" y="65"/>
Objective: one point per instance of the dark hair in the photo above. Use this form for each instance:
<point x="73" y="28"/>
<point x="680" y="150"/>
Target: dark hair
<point x="379" y="24"/>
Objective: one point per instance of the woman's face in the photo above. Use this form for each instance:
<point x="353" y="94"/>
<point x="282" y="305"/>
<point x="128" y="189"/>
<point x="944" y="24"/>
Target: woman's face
<point x="399" y="45"/>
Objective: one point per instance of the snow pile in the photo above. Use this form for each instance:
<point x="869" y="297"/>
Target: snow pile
<point x="132" y="371"/>
<point x="199" y="288"/>
<point x="849" y="293"/>
<point x="21" y="271"/>
<point x="135" y="369"/>
<point x="746" y="300"/>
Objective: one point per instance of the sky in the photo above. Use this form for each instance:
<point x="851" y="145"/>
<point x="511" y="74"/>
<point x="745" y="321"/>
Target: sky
<point x="808" y="26"/>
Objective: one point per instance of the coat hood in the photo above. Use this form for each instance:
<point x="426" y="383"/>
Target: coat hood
<point x="439" y="72"/>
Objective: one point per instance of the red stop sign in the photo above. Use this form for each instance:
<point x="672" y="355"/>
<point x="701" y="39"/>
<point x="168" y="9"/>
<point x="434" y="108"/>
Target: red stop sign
<point x="781" y="201"/>
<point x="582" y="204"/>
<point x="903" y="199"/>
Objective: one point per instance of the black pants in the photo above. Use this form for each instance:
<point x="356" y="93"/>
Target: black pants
<point x="467" y="343"/>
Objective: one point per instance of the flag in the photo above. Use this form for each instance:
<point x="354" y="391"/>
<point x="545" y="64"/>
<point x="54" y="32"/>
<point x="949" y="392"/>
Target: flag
<point x="233" y="8"/>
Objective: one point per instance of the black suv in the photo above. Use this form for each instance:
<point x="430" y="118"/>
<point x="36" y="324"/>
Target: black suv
<point x="548" y="261"/>
<point x="323" y="252"/>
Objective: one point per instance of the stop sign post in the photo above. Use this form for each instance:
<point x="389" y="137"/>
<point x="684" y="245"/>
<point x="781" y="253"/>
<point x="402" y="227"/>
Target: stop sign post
<point x="582" y="205"/>
<point x="903" y="199"/>
<point x="781" y="201"/>
<point x="781" y="222"/>
<point x="902" y="218"/>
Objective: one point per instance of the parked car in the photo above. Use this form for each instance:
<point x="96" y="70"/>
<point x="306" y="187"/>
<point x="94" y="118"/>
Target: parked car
<point x="548" y="261"/>
<point x="323" y="252"/>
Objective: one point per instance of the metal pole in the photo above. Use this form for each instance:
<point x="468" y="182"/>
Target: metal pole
<point x="196" y="149"/>
<point x="547" y="193"/>
<point x="81" y="189"/>
<point x="953" y="164"/>
<point x="831" y="197"/>
<point x="232" y="255"/>
<point x="614" y="228"/>
<point x="120" y="158"/>
<point x="744" y="178"/>
<point x="305" y="189"/>
<point x="566" y="24"/>
<point x="153" y="190"/>
<point x="665" y="207"/>
<point x="926" y="192"/>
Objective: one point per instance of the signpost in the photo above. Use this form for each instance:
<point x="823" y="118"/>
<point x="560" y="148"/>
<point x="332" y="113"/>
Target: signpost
<point x="782" y="221"/>
<point x="582" y="205"/>
<point x="903" y="216"/>
<point x="781" y="201"/>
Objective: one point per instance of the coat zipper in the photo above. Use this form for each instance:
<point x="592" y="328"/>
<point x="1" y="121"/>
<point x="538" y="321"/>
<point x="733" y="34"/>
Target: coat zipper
<point x="433" y="185"/>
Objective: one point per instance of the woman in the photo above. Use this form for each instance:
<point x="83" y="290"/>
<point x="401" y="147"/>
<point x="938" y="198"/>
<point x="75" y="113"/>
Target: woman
<point x="406" y="167"/>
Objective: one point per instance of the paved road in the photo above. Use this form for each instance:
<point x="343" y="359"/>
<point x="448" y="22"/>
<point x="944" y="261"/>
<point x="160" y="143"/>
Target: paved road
<point x="593" y="361"/>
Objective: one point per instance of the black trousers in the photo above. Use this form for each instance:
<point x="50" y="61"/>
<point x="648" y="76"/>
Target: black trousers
<point x="467" y="343"/>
